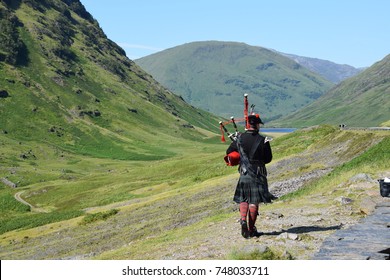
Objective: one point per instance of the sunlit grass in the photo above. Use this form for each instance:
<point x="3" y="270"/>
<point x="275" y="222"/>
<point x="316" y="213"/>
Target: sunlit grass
<point x="149" y="192"/>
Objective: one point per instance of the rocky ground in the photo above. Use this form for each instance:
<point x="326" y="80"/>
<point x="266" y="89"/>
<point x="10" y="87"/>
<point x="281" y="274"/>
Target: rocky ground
<point x="293" y="232"/>
<point x="298" y="231"/>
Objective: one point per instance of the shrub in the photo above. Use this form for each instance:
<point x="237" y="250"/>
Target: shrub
<point x="90" y="218"/>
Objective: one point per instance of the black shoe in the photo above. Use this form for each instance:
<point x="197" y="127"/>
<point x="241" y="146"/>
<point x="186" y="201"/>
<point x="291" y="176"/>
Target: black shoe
<point x="255" y="233"/>
<point x="244" y="229"/>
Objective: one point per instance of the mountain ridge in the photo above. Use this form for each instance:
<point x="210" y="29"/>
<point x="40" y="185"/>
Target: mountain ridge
<point x="214" y="75"/>
<point x="334" y="72"/>
<point x="360" y="101"/>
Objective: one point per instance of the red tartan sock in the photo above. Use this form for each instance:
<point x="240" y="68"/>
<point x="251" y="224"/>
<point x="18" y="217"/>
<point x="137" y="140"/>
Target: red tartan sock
<point x="244" y="210"/>
<point x="253" y="212"/>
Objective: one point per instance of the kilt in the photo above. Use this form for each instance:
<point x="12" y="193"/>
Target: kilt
<point x="252" y="189"/>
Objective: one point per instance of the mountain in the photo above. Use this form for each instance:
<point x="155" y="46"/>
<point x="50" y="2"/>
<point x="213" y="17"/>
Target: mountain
<point x="362" y="101"/>
<point x="83" y="126"/>
<point x="214" y="76"/>
<point x="65" y="83"/>
<point x="332" y="71"/>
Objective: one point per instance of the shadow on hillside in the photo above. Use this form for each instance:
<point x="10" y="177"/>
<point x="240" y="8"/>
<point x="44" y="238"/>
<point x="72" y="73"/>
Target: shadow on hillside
<point x="304" y="229"/>
<point x="13" y="4"/>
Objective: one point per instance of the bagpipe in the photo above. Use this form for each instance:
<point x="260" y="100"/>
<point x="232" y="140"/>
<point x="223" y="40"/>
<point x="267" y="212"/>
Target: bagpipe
<point x="233" y="136"/>
<point x="233" y="158"/>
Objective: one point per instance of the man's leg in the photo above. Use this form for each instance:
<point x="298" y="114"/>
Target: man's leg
<point x="253" y="213"/>
<point x="244" y="206"/>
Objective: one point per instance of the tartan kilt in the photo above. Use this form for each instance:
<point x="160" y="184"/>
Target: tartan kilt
<point x="252" y="189"/>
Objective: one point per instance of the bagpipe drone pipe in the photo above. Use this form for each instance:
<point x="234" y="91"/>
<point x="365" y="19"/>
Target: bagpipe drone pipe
<point x="233" y="158"/>
<point x="233" y="136"/>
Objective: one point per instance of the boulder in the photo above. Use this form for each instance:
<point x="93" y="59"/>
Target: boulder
<point x="8" y="183"/>
<point x="344" y="200"/>
<point x="367" y="206"/>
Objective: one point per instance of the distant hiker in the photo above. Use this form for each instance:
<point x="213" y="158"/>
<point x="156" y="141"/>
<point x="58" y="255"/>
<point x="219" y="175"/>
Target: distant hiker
<point x="252" y="186"/>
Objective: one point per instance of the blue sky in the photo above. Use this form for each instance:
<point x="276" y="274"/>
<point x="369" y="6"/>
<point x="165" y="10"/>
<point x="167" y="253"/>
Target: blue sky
<point x="354" y="32"/>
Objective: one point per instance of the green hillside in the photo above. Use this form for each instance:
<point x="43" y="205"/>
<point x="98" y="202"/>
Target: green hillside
<point x="65" y="83"/>
<point x="361" y="101"/>
<point x="214" y="76"/>
<point x="76" y="115"/>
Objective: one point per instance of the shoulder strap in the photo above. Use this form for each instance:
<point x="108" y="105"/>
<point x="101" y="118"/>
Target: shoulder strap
<point x="254" y="146"/>
<point x="245" y="164"/>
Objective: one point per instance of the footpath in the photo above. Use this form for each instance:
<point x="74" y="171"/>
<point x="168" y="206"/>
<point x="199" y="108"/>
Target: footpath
<point x="367" y="240"/>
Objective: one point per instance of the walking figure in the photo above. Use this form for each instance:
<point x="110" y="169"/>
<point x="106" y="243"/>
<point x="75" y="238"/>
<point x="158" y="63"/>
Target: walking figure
<point x="252" y="187"/>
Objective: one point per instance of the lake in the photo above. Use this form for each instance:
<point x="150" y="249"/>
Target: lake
<point x="277" y="130"/>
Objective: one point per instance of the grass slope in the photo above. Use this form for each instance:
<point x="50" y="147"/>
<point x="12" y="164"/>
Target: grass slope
<point x="181" y="208"/>
<point x="79" y="92"/>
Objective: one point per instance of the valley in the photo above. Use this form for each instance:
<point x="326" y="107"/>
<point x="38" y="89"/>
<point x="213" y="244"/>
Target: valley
<point x="183" y="207"/>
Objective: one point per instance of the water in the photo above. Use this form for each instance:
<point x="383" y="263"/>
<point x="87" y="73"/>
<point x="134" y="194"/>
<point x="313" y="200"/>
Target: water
<point x="277" y="130"/>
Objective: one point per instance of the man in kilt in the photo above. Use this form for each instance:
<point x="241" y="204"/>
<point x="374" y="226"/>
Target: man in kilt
<point x="252" y="187"/>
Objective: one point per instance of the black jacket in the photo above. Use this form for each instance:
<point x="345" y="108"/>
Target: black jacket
<point x="248" y="138"/>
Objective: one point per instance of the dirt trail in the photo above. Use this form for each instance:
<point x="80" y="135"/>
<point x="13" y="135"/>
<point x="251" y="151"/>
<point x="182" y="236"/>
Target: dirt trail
<point x="18" y="197"/>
